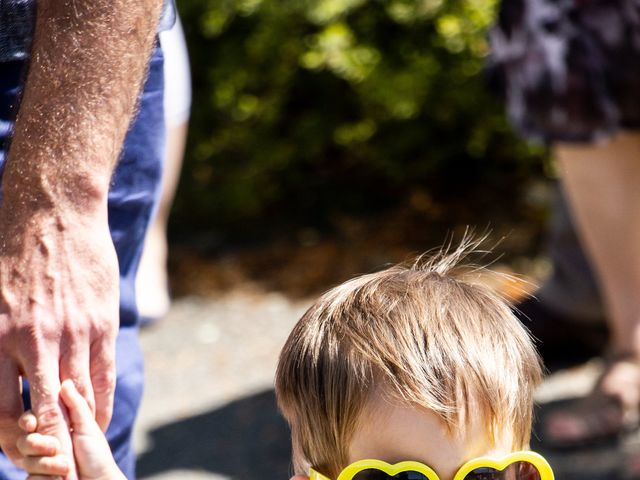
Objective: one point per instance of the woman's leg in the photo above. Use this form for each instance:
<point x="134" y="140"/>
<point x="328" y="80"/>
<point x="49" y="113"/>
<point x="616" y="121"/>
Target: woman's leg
<point x="602" y="183"/>
<point x="152" y="286"/>
<point x="603" y="186"/>
<point x="152" y="283"/>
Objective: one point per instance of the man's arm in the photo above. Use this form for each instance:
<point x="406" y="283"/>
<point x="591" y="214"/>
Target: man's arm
<point x="58" y="267"/>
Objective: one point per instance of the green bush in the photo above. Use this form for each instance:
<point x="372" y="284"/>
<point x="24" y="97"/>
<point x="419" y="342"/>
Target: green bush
<point x="308" y="108"/>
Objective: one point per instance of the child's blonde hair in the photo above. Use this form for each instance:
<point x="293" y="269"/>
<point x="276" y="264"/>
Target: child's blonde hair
<point x="425" y="335"/>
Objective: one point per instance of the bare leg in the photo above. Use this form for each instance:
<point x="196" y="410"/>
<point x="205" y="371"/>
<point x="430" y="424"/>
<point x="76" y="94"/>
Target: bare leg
<point x="152" y="286"/>
<point x="603" y="187"/>
<point x="152" y="282"/>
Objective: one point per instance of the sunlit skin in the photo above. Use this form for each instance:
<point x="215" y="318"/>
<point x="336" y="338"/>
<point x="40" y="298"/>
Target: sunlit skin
<point x="394" y="433"/>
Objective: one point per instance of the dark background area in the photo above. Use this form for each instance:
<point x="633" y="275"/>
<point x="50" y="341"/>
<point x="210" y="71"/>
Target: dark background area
<point x="330" y="137"/>
<point x="309" y="114"/>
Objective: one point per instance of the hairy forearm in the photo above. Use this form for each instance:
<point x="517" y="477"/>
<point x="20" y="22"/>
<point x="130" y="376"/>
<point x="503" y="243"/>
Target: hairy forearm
<point x="88" y="63"/>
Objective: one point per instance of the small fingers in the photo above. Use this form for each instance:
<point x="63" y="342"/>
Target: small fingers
<point x="44" y="477"/>
<point x="74" y="365"/>
<point x="36" y="445"/>
<point x="80" y="414"/>
<point x="57" y="465"/>
<point x="28" y="422"/>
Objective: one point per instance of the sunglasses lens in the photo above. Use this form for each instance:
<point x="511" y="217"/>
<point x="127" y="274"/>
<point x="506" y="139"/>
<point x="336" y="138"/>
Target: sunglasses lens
<point x="515" y="471"/>
<point x="375" y="474"/>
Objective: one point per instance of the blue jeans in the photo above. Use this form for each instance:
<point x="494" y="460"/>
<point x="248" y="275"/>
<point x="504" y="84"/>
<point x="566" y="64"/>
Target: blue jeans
<point x="133" y="196"/>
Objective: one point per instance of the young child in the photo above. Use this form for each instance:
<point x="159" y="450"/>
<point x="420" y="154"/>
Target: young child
<point x="408" y="364"/>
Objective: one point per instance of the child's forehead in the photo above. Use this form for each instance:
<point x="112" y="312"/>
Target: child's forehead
<point x="400" y="431"/>
<point x="385" y="412"/>
<point x="393" y="432"/>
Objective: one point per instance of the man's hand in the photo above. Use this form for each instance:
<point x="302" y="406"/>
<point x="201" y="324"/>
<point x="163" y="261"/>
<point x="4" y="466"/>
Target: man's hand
<point x="58" y="317"/>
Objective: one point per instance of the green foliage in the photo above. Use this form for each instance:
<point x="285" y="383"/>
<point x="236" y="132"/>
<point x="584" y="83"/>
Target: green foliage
<point x="307" y="108"/>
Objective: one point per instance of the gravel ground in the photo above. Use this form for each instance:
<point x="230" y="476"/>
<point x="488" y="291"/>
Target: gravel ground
<point x="209" y="410"/>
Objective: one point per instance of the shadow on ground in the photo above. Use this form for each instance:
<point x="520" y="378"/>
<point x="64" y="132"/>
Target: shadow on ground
<point x="246" y="439"/>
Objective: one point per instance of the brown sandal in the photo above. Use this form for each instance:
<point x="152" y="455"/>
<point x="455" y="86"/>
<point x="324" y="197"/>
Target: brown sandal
<point x="596" y="419"/>
<point x="583" y="422"/>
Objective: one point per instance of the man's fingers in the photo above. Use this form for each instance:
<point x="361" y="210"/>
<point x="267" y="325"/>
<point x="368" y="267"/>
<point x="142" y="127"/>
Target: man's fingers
<point x="74" y="365"/>
<point x="103" y="378"/>
<point x="10" y="409"/>
<point x="44" y="380"/>
<point x="45" y="390"/>
<point x="80" y="414"/>
<point x="36" y="445"/>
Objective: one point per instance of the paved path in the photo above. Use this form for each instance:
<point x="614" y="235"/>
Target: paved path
<point x="209" y="410"/>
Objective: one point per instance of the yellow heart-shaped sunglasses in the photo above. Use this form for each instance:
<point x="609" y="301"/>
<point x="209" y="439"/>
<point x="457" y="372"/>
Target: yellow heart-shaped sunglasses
<point x="515" y="466"/>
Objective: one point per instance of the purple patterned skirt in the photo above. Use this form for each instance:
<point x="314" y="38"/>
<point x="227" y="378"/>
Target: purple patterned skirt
<point x="569" y="70"/>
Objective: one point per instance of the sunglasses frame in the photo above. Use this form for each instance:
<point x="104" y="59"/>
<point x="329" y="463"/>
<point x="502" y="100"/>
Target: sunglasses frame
<point x="537" y="460"/>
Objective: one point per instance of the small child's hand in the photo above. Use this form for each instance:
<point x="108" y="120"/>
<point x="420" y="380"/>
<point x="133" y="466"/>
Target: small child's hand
<point x="41" y="453"/>
<point x="90" y="448"/>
